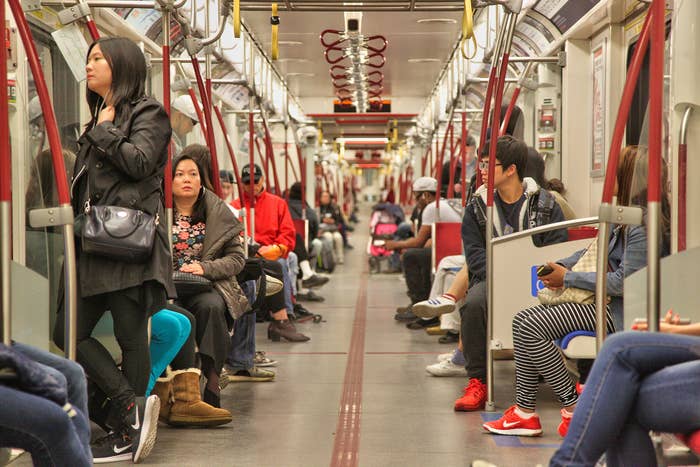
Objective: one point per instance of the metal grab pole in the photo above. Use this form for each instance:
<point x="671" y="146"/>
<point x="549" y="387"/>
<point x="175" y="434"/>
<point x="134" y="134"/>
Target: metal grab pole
<point x="682" y="178"/>
<point x="302" y="177"/>
<point x="200" y="114"/>
<point x="210" y="127"/>
<point x="229" y="146"/>
<point x="268" y="148"/>
<point x="463" y="143"/>
<point x="509" y="29"/>
<point x="656" y="97"/>
<point x="424" y="159"/>
<point x="168" y="175"/>
<point x="71" y="291"/>
<point x="251" y="171"/>
<point x="611" y="175"/>
<point x="5" y="200"/>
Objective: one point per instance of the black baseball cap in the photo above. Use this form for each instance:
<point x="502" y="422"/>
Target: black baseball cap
<point x="245" y="173"/>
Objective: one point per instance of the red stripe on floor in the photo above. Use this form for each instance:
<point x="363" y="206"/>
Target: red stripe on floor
<point x="306" y="353"/>
<point x="346" y="448"/>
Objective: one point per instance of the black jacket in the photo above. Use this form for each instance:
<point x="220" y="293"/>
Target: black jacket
<point x="122" y="164"/>
<point x="295" y="211"/>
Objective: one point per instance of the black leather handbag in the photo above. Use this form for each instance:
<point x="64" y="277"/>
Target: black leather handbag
<point x="118" y="233"/>
<point x="188" y="284"/>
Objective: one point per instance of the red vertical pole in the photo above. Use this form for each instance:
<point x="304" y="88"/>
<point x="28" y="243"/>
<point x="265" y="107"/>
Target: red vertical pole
<point x="211" y="141"/>
<point x="231" y="153"/>
<point x="509" y="112"/>
<point x="624" y="110"/>
<point x="656" y="90"/>
<point x="494" y="126"/>
<point x="200" y="114"/>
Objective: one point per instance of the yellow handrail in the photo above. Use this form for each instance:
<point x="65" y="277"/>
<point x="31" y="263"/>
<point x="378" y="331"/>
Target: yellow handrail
<point x="468" y="30"/>
<point x="275" y="21"/>
<point x="236" y="18"/>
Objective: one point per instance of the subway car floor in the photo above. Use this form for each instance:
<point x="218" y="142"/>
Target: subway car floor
<point x="356" y="394"/>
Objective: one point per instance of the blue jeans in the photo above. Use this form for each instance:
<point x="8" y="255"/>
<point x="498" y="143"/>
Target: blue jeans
<point x="293" y="271"/>
<point x="242" y="350"/>
<point x="39" y="425"/>
<point x="169" y="330"/>
<point x="639" y="382"/>
<point x="287" y="286"/>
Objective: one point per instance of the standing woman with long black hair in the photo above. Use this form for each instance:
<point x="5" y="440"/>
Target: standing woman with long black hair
<point x="121" y="160"/>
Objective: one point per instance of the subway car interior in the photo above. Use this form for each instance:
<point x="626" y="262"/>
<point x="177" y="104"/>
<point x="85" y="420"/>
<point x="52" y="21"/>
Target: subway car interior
<point x="252" y="233"/>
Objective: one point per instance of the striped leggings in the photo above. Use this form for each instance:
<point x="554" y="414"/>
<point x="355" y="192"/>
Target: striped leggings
<point x="534" y="331"/>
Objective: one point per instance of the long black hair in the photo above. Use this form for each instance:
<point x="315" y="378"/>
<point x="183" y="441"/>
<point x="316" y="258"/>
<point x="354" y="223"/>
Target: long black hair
<point x="199" y="210"/>
<point x="128" y="67"/>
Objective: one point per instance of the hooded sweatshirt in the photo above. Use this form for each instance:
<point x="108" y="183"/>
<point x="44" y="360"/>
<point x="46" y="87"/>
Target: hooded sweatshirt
<point x="539" y="208"/>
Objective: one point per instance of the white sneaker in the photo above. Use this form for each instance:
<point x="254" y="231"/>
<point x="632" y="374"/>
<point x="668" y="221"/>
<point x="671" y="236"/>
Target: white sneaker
<point x="446" y="368"/>
<point x="445" y="356"/>
<point x="434" y="307"/>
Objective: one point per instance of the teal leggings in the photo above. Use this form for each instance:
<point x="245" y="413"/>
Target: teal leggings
<point x="169" y="331"/>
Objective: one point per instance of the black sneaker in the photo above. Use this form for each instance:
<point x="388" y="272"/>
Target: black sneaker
<point x="314" y="281"/>
<point x="142" y="423"/>
<point x="405" y="316"/>
<point x="423" y="323"/>
<point x="114" y="447"/>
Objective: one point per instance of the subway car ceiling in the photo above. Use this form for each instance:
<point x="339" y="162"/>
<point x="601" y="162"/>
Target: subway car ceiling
<point x="423" y="74"/>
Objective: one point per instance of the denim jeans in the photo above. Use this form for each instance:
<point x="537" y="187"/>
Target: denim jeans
<point x="639" y="382"/>
<point x="242" y="349"/>
<point x="293" y="271"/>
<point x="169" y="330"/>
<point x="287" y="286"/>
<point x="39" y="425"/>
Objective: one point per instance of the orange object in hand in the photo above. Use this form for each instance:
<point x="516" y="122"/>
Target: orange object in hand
<point x="270" y="252"/>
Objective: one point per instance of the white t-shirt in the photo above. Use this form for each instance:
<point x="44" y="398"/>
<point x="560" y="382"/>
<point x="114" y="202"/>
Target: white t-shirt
<point x="450" y="211"/>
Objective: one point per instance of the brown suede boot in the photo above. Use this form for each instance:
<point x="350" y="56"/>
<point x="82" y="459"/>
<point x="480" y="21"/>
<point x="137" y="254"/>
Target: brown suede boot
<point x="188" y="409"/>
<point x="285" y="329"/>
<point x="164" y="390"/>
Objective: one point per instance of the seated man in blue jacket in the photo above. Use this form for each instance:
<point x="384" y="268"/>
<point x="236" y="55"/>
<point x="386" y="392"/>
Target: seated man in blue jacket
<point x="519" y="204"/>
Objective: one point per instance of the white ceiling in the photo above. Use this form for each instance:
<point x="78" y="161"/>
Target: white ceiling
<point x="407" y="39"/>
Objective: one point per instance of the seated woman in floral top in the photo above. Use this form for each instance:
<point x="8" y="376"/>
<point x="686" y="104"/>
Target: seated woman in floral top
<point x="206" y="242"/>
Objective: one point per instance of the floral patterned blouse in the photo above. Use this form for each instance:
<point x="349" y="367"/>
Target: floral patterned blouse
<point x="188" y="240"/>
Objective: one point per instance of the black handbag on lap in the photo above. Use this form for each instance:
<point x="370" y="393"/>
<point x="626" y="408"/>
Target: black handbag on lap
<point x="188" y="284"/>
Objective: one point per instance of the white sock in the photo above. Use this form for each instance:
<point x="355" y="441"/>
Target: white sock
<point x="306" y="271"/>
<point x="523" y="415"/>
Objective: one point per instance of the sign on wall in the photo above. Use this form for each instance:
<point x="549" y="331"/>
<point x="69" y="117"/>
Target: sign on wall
<point x="598" y="137"/>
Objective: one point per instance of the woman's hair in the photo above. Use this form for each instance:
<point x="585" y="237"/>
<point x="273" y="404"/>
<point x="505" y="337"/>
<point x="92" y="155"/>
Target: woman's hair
<point x="554" y="184"/>
<point x="199" y="212"/>
<point x="128" y="67"/>
<point x="632" y="183"/>
<point x="535" y="167"/>
<point x="295" y="191"/>
<point x="202" y="157"/>
<point x="330" y="198"/>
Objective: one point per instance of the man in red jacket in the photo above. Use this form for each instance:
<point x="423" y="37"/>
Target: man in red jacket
<point x="275" y="233"/>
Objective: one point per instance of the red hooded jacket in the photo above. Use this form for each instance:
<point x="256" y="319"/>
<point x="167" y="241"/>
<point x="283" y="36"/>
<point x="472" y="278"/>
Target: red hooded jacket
<point x="273" y="223"/>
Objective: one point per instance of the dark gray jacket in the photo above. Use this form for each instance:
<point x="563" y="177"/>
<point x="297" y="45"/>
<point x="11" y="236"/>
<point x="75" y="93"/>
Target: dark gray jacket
<point x="222" y="253"/>
<point x="122" y="164"/>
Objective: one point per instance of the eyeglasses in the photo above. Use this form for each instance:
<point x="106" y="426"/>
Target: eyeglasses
<point x="484" y="165"/>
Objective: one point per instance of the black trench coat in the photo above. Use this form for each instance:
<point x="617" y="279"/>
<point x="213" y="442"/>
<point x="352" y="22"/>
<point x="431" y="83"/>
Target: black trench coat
<point x="122" y="164"/>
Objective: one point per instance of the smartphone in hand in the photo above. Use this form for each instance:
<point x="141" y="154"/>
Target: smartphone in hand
<point x="544" y="270"/>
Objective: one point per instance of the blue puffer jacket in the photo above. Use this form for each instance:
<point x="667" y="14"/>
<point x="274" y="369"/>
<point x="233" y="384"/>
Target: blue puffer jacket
<point x="26" y="375"/>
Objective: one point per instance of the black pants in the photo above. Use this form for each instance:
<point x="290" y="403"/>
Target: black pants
<point x="212" y="323"/>
<point x="416" y="264"/>
<point x="300" y="249"/>
<point x="131" y="330"/>
<point x="273" y="303"/>
<point x="473" y="330"/>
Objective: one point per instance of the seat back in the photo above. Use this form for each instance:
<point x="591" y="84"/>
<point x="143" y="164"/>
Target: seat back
<point x="582" y="232"/>
<point x="515" y="267"/>
<point x="302" y="228"/>
<point x="446" y="241"/>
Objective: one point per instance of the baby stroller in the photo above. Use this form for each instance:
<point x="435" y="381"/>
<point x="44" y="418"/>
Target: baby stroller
<point x="383" y="225"/>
